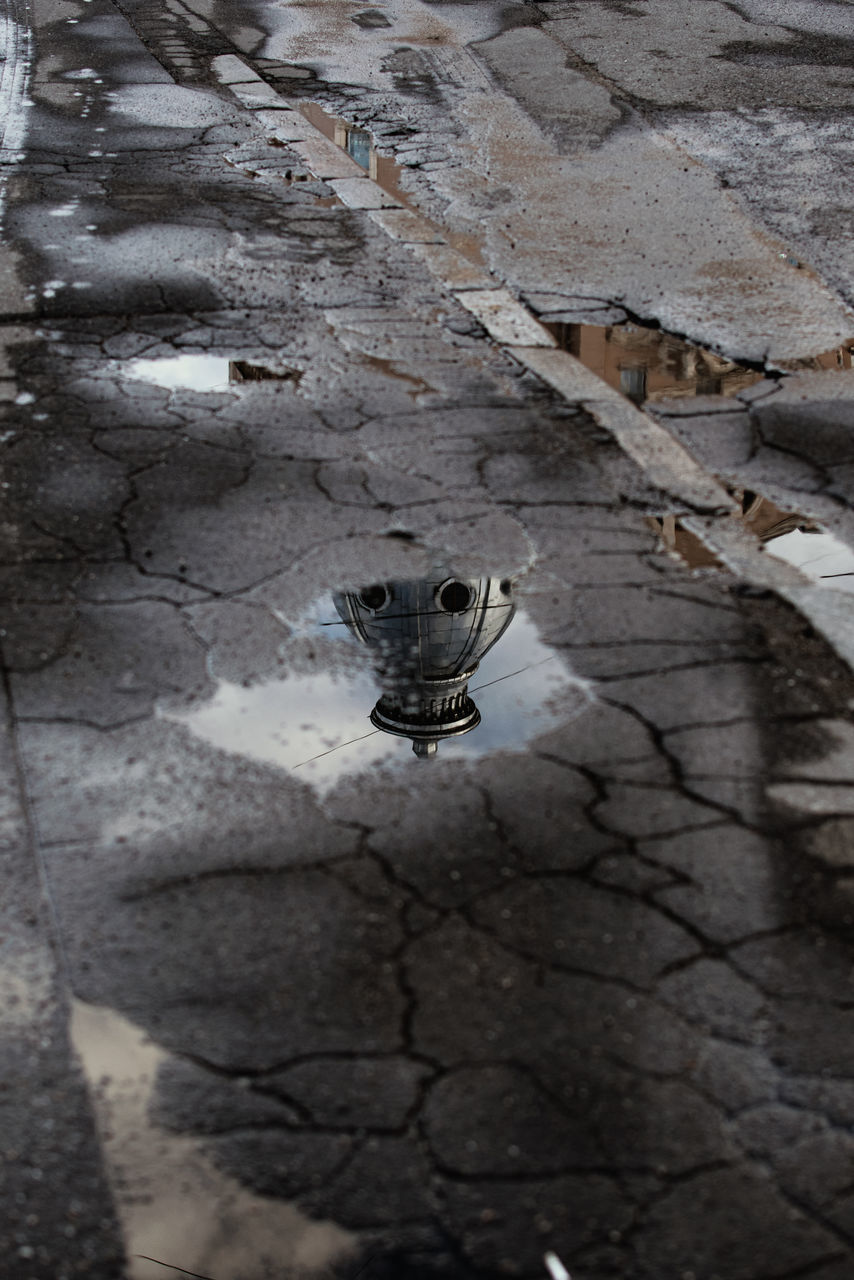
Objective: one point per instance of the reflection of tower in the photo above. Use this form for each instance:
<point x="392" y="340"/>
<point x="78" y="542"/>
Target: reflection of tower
<point x="428" y="637"/>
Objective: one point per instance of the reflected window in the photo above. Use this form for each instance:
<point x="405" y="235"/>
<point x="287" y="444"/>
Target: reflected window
<point x="374" y="598"/>
<point x="359" y="145"/>
<point x="455" y="597"/>
<point x="633" y="384"/>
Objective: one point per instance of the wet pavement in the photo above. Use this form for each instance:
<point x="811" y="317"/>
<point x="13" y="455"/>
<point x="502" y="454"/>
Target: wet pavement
<point x="427" y="629"/>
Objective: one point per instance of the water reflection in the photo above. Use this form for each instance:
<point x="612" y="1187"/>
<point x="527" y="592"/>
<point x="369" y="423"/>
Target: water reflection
<point x="427" y="639"/>
<point x="359" y="144"/>
<point x="646" y="363"/>
<point x="787" y="535"/>
<point x="202" y="371"/>
<point x="370" y="670"/>
<point x="385" y="172"/>
<point x="190" y="370"/>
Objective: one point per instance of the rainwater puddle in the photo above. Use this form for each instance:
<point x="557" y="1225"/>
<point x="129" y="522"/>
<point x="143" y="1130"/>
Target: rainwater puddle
<point x="787" y="536"/>
<point x="648" y="364"/>
<point x="195" y="372"/>
<point x="449" y="668"/>
<point x="645" y="363"/>
<point x="201" y="372"/>
<point x="819" y="555"/>
<point x="385" y="172"/>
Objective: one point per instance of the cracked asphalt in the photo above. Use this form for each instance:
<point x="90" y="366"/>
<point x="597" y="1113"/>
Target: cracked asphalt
<point x="293" y="481"/>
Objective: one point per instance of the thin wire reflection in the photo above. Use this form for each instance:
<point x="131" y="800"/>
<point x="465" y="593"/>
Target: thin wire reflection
<point x="171" y="1267"/>
<point x="332" y="750"/>
<point x="420" y="613"/>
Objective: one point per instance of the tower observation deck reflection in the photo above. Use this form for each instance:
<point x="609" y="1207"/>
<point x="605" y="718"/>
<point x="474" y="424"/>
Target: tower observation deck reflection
<point x="427" y="638"/>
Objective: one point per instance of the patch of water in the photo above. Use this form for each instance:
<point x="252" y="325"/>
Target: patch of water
<point x="17" y="43"/>
<point x="645" y="363"/>
<point x="199" y="372"/>
<point x="786" y="535"/>
<point x="385" y="172"/>
<point x="818" y="555"/>
<point x="449" y="667"/>
<point x="648" y="364"/>
<point x="193" y="372"/>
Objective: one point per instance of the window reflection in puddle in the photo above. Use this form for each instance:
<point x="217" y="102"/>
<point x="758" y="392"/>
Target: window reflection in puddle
<point x="180" y="1213"/>
<point x="648" y="364"/>
<point x="385" y="172"/>
<point x="435" y="666"/>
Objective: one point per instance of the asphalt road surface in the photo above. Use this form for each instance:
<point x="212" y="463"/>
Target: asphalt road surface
<point x="427" y="629"/>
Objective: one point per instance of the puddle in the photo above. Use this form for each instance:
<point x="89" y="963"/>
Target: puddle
<point x="648" y="364"/>
<point x="385" y="172"/>
<point x="195" y="372"/>
<point x="645" y="363"/>
<point x="202" y="372"/>
<point x="818" y="555"/>
<point x="420" y="668"/>
<point x="787" y="536"/>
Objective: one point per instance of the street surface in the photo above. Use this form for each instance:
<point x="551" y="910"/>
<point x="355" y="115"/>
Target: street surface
<point x="427" y="631"/>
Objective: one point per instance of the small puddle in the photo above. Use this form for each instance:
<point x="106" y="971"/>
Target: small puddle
<point x="385" y="172"/>
<point x="645" y="363"/>
<point x="195" y="372"/>
<point x="818" y="555"/>
<point x="648" y="364"/>
<point x="410" y="670"/>
<point x="787" y="536"/>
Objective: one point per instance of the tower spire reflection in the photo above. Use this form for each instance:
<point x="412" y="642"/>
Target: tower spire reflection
<point x="427" y="637"/>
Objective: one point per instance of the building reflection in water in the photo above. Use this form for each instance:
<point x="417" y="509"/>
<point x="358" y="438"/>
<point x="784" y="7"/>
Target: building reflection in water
<point x="788" y="536"/>
<point x="648" y="364"/>
<point x="427" y="638"/>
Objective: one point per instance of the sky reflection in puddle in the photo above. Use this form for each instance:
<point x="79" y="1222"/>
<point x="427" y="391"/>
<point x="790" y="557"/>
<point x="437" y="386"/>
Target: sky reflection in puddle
<point x="459" y="683"/>
<point x="819" y="555"/>
<point x="201" y="372"/>
<point x="786" y="535"/>
<point x="191" y="371"/>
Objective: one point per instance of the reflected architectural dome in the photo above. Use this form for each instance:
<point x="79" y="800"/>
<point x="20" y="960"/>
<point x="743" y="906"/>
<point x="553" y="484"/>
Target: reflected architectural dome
<point x="427" y="638"/>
